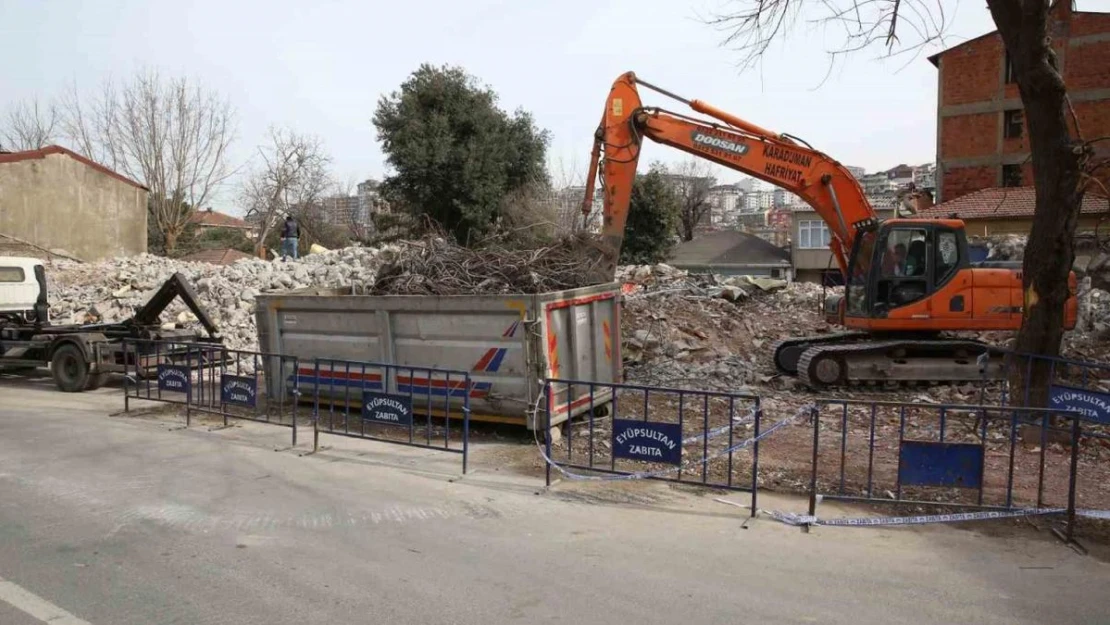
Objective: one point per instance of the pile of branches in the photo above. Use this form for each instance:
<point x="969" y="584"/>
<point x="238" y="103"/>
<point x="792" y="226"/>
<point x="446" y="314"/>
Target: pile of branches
<point x="436" y="265"/>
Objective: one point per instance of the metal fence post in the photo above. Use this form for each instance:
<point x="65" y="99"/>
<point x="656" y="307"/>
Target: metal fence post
<point x="547" y="431"/>
<point x="315" y="405"/>
<point x="466" y="423"/>
<point x="296" y="389"/>
<point x="816" y="416"/>
<point x="127" y="377"/>
<point x="189" y="387"/>
<point x="755" y="457"/>
<point x="1073" y="478"/>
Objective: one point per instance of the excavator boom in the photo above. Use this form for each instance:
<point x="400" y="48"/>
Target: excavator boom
<point x="819" y="180"/>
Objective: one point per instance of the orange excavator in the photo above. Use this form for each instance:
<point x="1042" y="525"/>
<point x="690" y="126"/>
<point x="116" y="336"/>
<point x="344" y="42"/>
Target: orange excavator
<point x="909" y="282"/>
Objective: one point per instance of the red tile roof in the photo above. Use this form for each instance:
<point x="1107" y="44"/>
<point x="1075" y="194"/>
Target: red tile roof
<point x="15" y="157"/>
<point x="213" y="219"/>
<point x="216" y="257"/>
<point x="1003" y="202"/>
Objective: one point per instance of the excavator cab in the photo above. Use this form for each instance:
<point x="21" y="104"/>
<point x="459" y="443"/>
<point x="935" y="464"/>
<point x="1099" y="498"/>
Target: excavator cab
<point x="896" y="265"/>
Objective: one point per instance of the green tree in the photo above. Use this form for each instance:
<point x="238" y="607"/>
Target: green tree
<point x="649" y="234"/>
<point x="457" y="156"/>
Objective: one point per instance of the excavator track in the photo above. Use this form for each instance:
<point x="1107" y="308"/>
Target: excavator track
<point x="899" y="362"/>
<point x="787" y="352"/>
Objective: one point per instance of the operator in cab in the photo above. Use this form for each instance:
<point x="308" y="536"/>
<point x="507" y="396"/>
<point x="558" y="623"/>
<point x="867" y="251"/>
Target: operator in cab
<point x="894" y="261"/>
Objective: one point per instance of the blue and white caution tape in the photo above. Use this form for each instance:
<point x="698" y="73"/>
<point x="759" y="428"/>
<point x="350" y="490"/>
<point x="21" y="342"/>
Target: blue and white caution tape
<point x="790" y="518"/>
<point x="921" y="519"/>
<point x="570" y="475"/>
<point x="715" y="432"/>
<point x="1095" y="514"/>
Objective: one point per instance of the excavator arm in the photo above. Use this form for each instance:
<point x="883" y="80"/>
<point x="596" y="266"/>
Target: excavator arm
<point x="779" y="159"/>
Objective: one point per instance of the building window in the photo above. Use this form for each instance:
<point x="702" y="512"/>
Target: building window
<point x="1009" y="70"/>
<point x="1012" y="122"/>
<point x="1011" y="175"/>
<point x="813" y="235"/>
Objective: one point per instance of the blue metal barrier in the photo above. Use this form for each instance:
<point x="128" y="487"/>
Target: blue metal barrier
<point x="678" y="435"/>
<point x="1073" y="385"/>
<point x="948" y="455"/>
<point x="209" y="378"/>
<point x="401" y="404"/>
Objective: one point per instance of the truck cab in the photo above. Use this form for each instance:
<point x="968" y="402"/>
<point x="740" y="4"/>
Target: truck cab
<point x="23" y="290"/>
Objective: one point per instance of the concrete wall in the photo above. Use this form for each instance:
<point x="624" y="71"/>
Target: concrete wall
<point x="59" y="202"/>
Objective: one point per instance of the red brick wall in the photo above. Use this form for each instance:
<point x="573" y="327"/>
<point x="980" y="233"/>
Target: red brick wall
<point x="1088" y="66"/>
<point x="1089" y="24"/>
<point x="969" y="135"/>
<point x="971" y="73"/>
<point x="963" y="180"/>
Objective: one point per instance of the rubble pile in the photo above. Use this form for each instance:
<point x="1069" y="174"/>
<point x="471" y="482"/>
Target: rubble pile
<point x="1097" y="268"/>
<point x="716" y="333"/>
<point x="1005" y="247"/>
<point x="709" y="331"/>
<point x="114" y="290"/>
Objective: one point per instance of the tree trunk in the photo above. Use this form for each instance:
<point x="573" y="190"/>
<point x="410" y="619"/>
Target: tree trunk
<point x="1050" y="251"/>
<point x="171" y="235"/>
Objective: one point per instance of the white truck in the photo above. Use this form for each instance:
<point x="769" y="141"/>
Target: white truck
<point x="81" y="356"/>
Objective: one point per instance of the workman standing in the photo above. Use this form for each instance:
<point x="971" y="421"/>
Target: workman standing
<point x="290" y="233"/>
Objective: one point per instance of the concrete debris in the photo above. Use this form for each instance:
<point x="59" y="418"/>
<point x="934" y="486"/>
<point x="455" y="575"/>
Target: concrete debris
<point x="708" y="331"/>
<point x="697" y="330"/>
<point x="114" y="290"/>
<point x="1005" y="247"/>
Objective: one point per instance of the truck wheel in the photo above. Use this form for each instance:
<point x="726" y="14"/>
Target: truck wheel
<point x="71" y="372"/>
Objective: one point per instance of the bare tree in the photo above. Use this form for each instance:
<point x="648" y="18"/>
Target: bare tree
<point x="29" y="125"/>
<point x="568" y="181"/>
<point x="1064" y="166"/>
<point x="292" y="178"/>
<point x="353" y="220"/>
<point x="170" y="134"/>
<point x="692" y="179"/>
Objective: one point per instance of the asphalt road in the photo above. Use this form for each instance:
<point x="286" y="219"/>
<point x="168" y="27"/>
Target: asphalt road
<point x="124" y="520"/>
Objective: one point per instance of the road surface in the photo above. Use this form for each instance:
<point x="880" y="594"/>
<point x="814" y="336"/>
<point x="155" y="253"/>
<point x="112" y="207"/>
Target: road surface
<point x="132" y="520"/>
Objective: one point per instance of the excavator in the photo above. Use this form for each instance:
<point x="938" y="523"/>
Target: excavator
<point x="910" y="286"/>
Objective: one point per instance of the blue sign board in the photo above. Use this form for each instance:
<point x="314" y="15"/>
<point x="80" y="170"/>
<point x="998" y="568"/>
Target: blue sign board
<point x="1091" y="404"/>
<point x="924" y="463"/>
<point x="647" y="441"/>
<point x="174" y="378"/>
<point x="387" y="408"/>
<point x="238" y="390"/>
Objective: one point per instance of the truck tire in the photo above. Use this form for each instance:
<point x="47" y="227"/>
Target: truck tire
<point x="71" y="372"/>
<point x="96" y="380"/>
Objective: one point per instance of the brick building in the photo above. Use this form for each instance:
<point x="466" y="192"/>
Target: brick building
<point x="981" y="138"/>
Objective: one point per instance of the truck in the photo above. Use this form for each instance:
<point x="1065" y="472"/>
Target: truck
<point x="82" y="356"/>
<point x="507" y="344"/>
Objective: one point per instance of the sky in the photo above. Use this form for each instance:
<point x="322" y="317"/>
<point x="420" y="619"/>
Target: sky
<point x="320" y="68"/>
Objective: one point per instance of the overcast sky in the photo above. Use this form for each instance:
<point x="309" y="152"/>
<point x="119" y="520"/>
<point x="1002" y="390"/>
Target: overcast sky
<point x="321" y="66"/>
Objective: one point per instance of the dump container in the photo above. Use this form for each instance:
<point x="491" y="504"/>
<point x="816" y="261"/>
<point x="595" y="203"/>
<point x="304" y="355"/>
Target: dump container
<point x="508" y="343"/>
